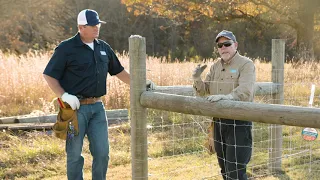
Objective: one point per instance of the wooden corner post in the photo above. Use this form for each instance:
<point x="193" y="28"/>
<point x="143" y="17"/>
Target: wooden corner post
<point x="275" y="148"/>
<point x="139" y="152"/>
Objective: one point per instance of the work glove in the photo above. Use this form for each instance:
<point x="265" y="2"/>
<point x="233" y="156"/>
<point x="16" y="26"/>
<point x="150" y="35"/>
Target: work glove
<point x="214" y="98"/>
<point x="150" y="85"/>
<point x="72" y="100"/>
<point x="209" y="144"/>
<point x="197" y="72"/>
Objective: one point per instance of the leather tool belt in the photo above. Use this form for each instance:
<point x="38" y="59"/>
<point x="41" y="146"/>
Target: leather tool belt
<point x="91" y="100"/>
<point x="66" y="126"/>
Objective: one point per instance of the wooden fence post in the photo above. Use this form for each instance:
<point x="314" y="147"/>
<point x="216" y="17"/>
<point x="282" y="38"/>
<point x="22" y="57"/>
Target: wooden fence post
<point x="139" y="152"/>
<point x="275" y="148"/>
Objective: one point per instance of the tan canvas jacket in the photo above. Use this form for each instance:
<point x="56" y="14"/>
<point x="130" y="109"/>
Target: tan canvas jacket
<point x="236" y="78"/>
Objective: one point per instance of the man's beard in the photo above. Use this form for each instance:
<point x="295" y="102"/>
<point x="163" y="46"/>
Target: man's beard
<point x="226" y="57"/>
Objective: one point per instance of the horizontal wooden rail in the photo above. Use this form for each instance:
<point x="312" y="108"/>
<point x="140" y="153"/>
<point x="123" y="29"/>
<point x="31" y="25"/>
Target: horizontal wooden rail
<point x="114" y="116"/>
<point x="26" y="126"/>
<point x="248" y="111"/>
<point x="261" y="88"/>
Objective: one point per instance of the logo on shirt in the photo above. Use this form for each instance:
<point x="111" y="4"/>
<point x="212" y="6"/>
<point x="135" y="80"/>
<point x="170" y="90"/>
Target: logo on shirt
<point x="233" y="70"/>
<point x="103" y="53"/>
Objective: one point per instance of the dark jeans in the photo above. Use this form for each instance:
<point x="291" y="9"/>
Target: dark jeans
<point x="233" y="145"/>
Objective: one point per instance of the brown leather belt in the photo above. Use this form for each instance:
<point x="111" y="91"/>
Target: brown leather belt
<point x="92" y="100"/>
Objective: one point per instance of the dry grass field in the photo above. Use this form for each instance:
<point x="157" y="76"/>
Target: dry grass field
<point x="23" y="89"/>
<point x="38" y="155"/>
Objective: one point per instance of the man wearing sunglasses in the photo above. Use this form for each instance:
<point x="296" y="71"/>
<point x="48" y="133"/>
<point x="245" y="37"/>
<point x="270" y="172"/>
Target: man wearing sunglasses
<point x="231" y="77"/>
<point x="77" y="73"/>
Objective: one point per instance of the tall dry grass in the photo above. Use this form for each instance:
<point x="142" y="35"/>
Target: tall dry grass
<point x="23" y="89"/>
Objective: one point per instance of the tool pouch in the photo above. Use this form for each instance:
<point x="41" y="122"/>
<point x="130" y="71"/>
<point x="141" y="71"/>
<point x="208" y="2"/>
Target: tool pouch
<point x="66" y="126"/>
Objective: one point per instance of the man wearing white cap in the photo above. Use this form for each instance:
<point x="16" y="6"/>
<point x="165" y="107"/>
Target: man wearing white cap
<point x="77" y="73"/>
<point x="231" y="77"/>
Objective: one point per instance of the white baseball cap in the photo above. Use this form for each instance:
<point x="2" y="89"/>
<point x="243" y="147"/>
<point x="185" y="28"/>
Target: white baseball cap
<point x="89" y="17"/>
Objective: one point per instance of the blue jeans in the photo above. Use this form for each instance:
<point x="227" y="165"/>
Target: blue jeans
<point x="93" y="123"/>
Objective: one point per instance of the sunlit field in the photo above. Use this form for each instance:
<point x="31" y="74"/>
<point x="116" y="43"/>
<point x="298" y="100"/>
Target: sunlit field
<point x="41" y="156"/>
<point x="23" y="89"/>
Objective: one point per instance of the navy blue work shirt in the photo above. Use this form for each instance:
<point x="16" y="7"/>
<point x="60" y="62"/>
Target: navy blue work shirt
<point x="80" y="70"/>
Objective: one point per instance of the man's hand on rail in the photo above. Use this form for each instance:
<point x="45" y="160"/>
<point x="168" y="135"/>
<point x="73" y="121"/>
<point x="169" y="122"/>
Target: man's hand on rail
<point x="150" y="85"/>
<point x="215" y="98"/>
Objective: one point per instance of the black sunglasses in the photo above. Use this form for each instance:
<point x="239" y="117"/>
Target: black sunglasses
<point x="225" y="44"/>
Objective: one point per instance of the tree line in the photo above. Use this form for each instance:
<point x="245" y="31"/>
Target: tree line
<point x="182" y="30"/>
